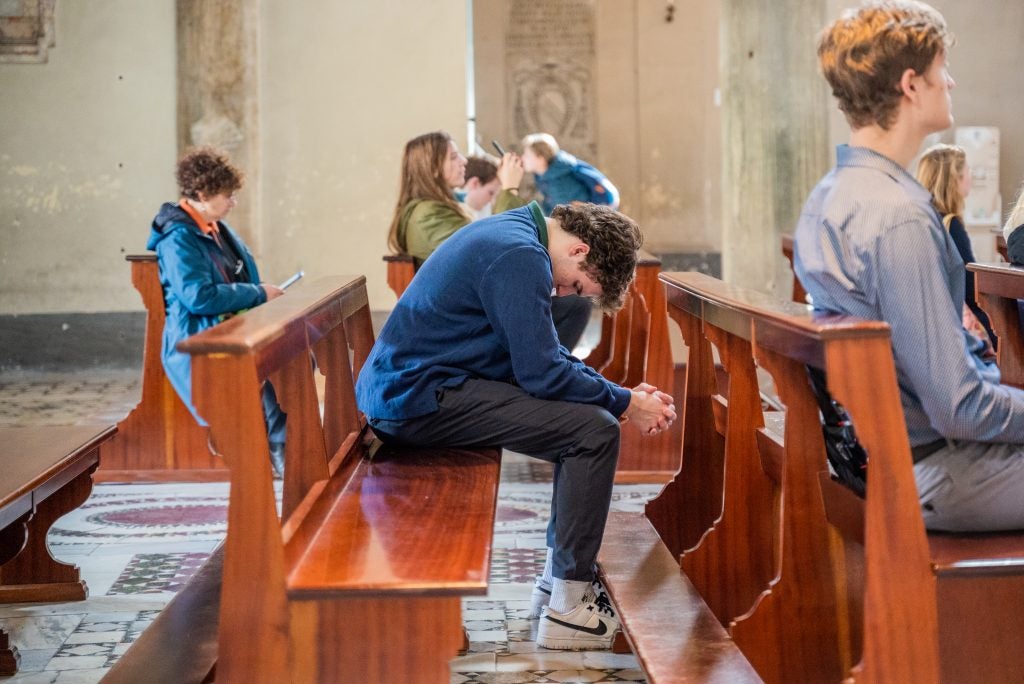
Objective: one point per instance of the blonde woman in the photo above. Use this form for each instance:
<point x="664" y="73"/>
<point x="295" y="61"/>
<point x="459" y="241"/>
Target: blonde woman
<point x="944" y="172"/>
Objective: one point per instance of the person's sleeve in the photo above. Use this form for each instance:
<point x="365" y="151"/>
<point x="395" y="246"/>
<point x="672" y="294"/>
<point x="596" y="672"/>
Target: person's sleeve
<point x="516" y="294"/>
<point x="930" y="345"/>
<point x="430" y="224"/>
<point x="962" y="240"/>
<point x="507" y="200"/>
<point x="187" y="270"/>
<point x="601" y="190"/>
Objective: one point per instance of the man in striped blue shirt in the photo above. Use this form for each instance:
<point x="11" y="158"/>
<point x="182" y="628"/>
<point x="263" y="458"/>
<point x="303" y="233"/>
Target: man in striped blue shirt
<point x="869" y="243"/>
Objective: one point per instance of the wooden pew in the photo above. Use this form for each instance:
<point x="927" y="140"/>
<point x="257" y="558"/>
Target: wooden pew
<point x="401" y="269"/>
<point x="731" y="545"/>
<point x="799" y="294"/>
<point x="885" y="595"/>
<point x="1001" y="248"/>
<point x="997" y="288"/>
<point x="360" y="577"/>
<point x="47" y="473"/>
<point x="158" y="440"/>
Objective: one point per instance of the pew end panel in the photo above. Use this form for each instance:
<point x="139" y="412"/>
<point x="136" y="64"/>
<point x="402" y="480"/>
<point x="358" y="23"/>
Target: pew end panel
<point x="401" y="269"/>
<point x="159" y="439"/>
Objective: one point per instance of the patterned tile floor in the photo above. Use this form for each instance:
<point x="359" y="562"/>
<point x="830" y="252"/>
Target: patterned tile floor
<point x="138" y="543"/>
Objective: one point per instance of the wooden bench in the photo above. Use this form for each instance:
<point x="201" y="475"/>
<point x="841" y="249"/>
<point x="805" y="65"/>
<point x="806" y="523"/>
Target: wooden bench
<point x="158" y="440"/>
<point x="1001" y="248"/>
<point x="47" y="473"/>
<point x="856" y="587"/>
<point x="360" y="576"/>
<point x="799" y="294"/>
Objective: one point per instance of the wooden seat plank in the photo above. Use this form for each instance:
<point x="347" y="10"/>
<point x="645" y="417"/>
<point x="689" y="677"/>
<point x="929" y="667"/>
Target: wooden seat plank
<point x="393" y="525"/>
<point x="655" y="600"/>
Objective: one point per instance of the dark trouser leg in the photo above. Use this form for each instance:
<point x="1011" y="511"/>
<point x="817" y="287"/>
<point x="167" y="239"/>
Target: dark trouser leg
<point x="581" y="440"/>
<point x="570" y="315"/>
<point x="275" y="421"/>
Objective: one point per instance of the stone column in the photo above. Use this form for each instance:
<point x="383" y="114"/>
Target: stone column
<point x="218" y="94"/>
<point x="774" y="132"/>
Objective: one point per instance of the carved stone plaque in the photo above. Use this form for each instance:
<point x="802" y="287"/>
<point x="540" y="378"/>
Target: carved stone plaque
<point x="549" y="51"/>
<point x="26" y="30"/>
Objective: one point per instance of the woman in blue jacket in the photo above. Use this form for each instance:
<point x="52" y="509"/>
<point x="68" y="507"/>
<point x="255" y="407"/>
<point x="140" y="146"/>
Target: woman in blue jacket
<point x="207" y="273"/>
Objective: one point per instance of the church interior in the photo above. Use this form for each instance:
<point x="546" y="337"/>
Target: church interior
<point x="714" y="122"/>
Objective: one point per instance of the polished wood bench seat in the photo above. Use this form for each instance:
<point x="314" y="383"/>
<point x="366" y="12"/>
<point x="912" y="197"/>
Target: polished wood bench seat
<point x="46" y="473"/>
<point x="359" y="577"/>
<point x="675" y="636"/>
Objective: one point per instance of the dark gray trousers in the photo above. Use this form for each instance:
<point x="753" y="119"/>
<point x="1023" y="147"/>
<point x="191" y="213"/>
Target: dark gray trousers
<point x="570" y="315"/>
<point x="581" y="440"/>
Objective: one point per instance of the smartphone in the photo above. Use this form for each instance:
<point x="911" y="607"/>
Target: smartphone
<point x="497" y="146"/>
<point x="291" y="281"/>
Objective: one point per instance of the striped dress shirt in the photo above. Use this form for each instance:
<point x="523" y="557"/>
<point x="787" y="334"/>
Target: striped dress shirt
<point x="870" y="244"/>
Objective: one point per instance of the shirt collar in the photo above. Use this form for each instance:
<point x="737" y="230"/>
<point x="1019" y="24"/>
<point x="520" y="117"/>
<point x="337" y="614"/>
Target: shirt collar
<point x="540" y="223"/>
<point x="863" y="157"/>
<point x="208" y="228"/>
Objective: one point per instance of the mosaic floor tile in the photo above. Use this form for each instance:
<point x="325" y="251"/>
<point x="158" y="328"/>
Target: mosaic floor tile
<point x="151" y="573"/>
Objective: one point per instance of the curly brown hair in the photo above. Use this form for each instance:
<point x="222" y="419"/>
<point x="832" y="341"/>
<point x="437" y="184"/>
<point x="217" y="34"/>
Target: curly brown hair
<point x="209" y="171"/>
<point x="613" y="239"/>
<point x="864" y="54"/>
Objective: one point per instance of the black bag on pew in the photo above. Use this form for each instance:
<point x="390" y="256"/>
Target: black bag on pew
<point x="846" y="457"/>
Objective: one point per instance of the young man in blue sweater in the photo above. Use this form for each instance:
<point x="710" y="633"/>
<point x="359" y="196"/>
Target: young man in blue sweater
<point x="469" y="357"/>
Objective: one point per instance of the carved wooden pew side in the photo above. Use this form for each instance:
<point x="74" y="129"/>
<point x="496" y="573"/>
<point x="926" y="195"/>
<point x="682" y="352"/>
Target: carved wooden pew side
<point x="799" y="294"/>
<point x="886" y="595"/>
<point x="159" y="439"/>
<point x="46" y="473"/>
<point x="360" y="577"/>
<point x="722" y="512"/>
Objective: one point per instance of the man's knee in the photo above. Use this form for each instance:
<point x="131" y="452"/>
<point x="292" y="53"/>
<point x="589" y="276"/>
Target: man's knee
<point x="598" y="428"/>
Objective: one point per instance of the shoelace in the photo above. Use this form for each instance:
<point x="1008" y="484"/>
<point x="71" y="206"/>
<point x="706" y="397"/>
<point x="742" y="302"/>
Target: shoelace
<point x="600" y="599"/>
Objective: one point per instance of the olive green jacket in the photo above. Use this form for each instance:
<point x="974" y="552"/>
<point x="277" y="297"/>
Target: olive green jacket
<point x="425" y="224"/>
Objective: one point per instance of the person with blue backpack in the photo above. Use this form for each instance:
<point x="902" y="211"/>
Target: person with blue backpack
<point x="562" y="178"/>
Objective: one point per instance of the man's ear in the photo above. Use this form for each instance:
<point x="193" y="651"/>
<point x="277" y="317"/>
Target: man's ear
<point x="472" y="183"/>
<point x="908" y="83"/>
<point x="579" y="248"/>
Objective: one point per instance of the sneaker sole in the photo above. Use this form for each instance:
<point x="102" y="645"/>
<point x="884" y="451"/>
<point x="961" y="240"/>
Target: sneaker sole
<point x="576" y="644"/>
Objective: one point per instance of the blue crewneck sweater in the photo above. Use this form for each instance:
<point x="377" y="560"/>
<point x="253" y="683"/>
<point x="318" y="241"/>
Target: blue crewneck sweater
<point x="479" y="307"/>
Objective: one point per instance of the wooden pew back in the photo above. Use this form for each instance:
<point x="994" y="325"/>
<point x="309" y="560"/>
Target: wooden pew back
<point x="998" y="287"/>
<point x="327" y="320"/>
<point x="366" y="546"/>
<point x="158" y="440"/>
<point x="896" y="617"/>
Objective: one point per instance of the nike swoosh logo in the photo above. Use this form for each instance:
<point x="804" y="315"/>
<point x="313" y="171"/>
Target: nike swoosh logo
<point x="600" y="630"/>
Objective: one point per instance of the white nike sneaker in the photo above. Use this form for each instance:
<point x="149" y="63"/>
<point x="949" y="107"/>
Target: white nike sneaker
<point x="540" y="597"/>
<point x="585" y="628"/>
